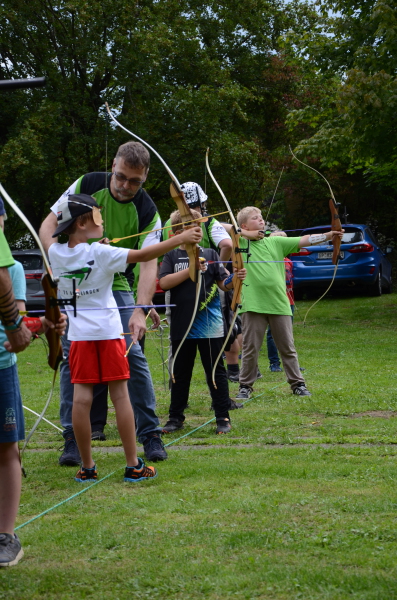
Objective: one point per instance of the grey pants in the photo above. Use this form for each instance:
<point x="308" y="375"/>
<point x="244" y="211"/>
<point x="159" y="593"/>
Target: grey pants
<point x="254" y="327"/>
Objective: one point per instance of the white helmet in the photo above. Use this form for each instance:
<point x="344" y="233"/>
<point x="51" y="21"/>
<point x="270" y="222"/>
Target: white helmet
<point x="194" y="194"/>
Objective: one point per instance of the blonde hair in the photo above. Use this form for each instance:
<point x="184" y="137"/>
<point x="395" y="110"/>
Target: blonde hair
<point x="245" y="213"/>
<point x="176" y="218"/>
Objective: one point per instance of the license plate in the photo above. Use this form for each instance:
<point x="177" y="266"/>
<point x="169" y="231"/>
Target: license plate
<point x="329" y="254"/>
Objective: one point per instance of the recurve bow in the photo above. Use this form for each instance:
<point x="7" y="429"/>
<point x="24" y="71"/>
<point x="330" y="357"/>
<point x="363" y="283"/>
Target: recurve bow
<point x="52" y="312"/>
<point x="237" y="261"/>
<point x="193" y="250"/>
<point x="335" y="226"/>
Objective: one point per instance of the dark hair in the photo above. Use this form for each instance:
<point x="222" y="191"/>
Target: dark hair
<point x="81" y="219"/>
<point x="135" y="155"/>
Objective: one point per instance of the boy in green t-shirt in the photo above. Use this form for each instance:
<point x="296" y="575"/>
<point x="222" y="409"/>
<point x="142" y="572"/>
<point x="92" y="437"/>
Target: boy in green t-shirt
<point x="265" y="302"/>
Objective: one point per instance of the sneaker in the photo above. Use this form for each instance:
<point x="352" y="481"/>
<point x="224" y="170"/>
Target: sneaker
<point x="275" y="368"/>
<point x="70" y="455"/>
<point x="154" y="448"/>
<point x="10" y="550"/>
<point x="133" y="474"/>
<point x="233" y="377"/>
<point x="223" y="426"/>
<point x="172" y="426"/>
<point x="84" y="475"/>
<point x="234" y="405"/>
<point x="301" y="390"/>
<point x="244" y="393"/>
<point x="98" y="436"/>
<point x="259" y="375"/>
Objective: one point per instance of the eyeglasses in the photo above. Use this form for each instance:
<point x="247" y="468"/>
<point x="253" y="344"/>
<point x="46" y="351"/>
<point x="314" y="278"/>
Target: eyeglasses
<point x="123" y="179"/>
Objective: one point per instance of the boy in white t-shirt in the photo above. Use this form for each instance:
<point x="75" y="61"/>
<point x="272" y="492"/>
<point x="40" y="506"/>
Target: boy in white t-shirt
<point x="98" y="350"/>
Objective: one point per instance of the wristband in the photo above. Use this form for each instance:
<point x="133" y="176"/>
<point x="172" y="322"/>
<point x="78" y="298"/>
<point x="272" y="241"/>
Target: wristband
<point x="145" y="310"/>
<point x="228" y="280"/>
<point x="15" y="326"/>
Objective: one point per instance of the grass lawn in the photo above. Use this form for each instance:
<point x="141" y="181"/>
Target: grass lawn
<point x="298" y="501"/>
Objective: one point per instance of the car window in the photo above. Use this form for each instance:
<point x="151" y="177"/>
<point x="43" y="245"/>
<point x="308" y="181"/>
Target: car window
<point x="350" y="237"/>
<point x="371" y="237"/>
<point x="30" y="262"/>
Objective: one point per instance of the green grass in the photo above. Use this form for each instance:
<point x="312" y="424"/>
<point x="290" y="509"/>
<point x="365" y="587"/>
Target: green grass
<point x="299" y="501"/>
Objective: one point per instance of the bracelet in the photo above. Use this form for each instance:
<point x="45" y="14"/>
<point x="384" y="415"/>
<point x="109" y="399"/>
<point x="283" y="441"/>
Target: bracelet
<point x="15" y="326"/>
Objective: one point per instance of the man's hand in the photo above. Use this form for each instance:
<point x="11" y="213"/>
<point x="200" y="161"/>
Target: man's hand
<point x="137" y="324"/>
<point x="155" y="317"/>
<point x="18" y="340"/>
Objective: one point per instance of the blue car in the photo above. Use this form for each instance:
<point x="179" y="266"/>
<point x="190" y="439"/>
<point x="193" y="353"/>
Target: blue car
<point x="363" y="264"/>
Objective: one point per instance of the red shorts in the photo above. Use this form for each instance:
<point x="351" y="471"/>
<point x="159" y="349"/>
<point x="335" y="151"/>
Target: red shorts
<point x="98" y="361"/>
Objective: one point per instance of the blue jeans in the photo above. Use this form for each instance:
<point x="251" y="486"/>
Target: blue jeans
<point x="140" y="386"/>
<point x="12" y="425"/>
<point x="272" y="352"/>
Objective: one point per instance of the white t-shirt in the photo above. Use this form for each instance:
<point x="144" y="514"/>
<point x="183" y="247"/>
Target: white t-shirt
<point x="93" y="266"/>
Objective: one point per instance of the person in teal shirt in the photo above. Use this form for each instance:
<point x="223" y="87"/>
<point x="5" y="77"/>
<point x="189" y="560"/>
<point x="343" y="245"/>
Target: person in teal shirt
<point x="14" y="337"/>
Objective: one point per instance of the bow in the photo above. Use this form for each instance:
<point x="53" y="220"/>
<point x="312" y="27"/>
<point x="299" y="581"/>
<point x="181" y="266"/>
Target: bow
<point x="237" y="261"/>
<point x="335" y="226"/>
<point x="52" y="312"/>
<point x="192" y="250"/>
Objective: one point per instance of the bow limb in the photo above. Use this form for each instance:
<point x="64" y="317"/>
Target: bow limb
<point x="191" y="249"/>
<point x="335" y="226"/>
<point x="176" y="193"/>
<point x="52" y="311"/>
<point x="236" y="299"/>
<point x="198" y="290"/>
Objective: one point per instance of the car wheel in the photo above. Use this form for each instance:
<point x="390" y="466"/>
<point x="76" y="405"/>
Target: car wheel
<point x="376" y="288"/>
<point x="388" y="287"/>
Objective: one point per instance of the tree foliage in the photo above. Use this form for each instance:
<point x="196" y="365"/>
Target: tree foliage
<point x="184" y="75"/>
<point x="245" y="79"/>
<point x="355" y="52"/>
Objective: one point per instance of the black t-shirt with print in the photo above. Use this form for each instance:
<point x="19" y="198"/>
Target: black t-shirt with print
<point x="209" y="321"/>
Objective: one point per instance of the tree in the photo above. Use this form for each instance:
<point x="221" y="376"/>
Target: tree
<point x="183" y="75"/>
<point x="355" y="51"/>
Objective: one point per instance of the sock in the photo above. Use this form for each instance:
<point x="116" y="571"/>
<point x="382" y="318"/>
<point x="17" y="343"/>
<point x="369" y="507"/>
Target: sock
<point x="233" y="368"/>
<point x="138" y="467"/>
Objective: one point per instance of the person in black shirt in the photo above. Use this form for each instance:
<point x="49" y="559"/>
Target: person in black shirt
<point x="206" y="333"/>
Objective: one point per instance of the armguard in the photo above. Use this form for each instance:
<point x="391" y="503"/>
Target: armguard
<point x="32" y="323"/>
<point x="317" y="238"/>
